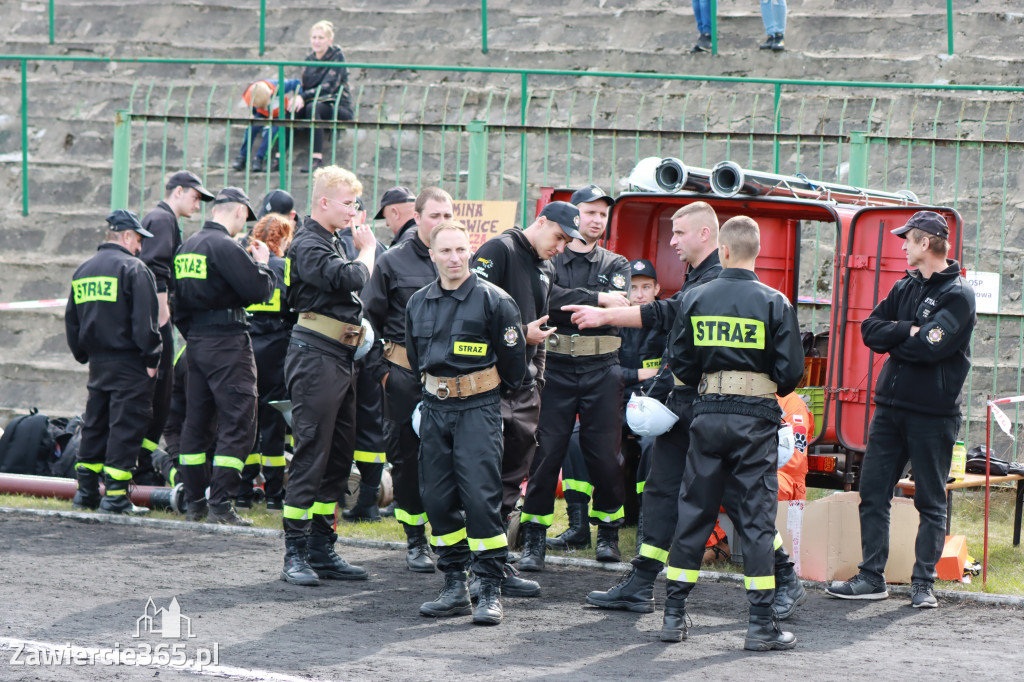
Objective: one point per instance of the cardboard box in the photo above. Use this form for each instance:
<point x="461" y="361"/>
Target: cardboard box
<point x="954" y="556"/>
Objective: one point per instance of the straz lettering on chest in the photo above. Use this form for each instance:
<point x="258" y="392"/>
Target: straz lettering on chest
<point x="190" y="265"/>
<point x="95" y="289"/>
<point x="467" y="348"/>
<point x="727" y="332"/>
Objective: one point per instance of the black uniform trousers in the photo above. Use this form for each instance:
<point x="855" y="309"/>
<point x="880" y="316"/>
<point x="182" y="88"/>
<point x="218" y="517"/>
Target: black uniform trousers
<point x="268" y="452"/>
<point x="117" y="412"/>
<point x="321" y="383"/>
<point x="460" y="469"/>
<point x="220" y="411"/>
<point x="596" y="397"/>
<point x="369" y="451"/>
<point x="577" y="484"/>
<point x="401" y="393"/>
<point x="895" y="437"/>
<point x="162" y="389"/>
<point x="520" y="415"/>
<point x="732" y="460"/>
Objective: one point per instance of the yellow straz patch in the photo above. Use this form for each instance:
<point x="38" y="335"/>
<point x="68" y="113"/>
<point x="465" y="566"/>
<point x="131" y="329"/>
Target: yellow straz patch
<point x="652" y="364"/>
<point x="95" y="289"/>
<point x="728" y="332"/>
<point x="190" y="265"/>
<point x="466" y="348"/>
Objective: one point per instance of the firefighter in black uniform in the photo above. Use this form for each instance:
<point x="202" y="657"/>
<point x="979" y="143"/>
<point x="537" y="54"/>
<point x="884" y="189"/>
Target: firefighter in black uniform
<point x="182" y="196"/>
<point x="111" y="323"/>
<point x="402" y="270"/>
<point x="215" y="279"/>
<point x="369" y="454"/>
<point x="397" y="210"/>
<point x="319" y="370"/>
<point x="582" y="377"/>
<point x="738" y="341"/>
<point x="465" y="339"/>
<point x="925" y="325"/>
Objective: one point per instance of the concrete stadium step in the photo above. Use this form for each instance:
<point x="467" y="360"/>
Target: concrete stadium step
<point x="36" y="334"/>
<point x="55" y="386"/>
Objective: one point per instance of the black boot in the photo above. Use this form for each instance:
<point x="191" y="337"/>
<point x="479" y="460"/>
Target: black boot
<point x="417" y="557"/>
<point x="326" y="562"/>
<point x="115" y="499"/>
<point x="258" y="165"/>
<point x="764" y="633"/>
<point x="534" y="547"/>
<point x="488" y="605"/>
<point x="768" y="44"/>
<point x="224" y="513"/>
<point x="675" y="622"/>
<point x="511" y="585"/>
<point x="577" y="536"/>
<point x="87" y="497"/>
<point x="634" y="592"/>
<point x="296" y="566"/>
<point x="452" y="600"/>
<point x="365" y="508"/>
<point x="779" y="44"/>
<point x="789" y="591"/>
<point x="196" y="511"/>
<point x="239" y="162"/>
<point x="607" y="544"/>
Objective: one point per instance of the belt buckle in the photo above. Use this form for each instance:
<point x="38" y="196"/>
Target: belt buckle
<point x="702" y="387"/>
<point x="572" y="345"/>
<point x="443" y="386"/>
<point x="553" y="341"/>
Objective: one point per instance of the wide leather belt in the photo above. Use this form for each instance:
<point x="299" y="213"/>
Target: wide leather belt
<point x="396" y="354"/>
<point x="214" y="317"/>
<point x="342" y="332"/>
<point x="731" y="382"/>
<point x="677" y="381"/>
<point x="578" y="345"/>
<point x="462" y="386"/>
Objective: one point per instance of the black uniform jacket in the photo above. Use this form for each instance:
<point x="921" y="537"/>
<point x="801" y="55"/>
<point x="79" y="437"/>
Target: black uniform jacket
<point x="924" y="372"/>
<point x="737" y="323"/>
<point x="644" y="349"/>
<point x="451" y="333"/>
<point x="402" y="271"/>
<point x="373" y="361"/>
<point x="158" y="251"/>
<point x="274" y="314"/>
<point x="510" y="262"/>
<point x="213" y="272"/>
<point x="112" y="309"/>
<point x="329" y="80"/>
<point x="405" y="233"/>
<point x="323" y="279"/>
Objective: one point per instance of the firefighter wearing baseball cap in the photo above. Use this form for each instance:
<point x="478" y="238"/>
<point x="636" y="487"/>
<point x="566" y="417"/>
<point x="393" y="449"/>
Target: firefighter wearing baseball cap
<point x="465" y="339"/>
<point x="582" y="377"/>
<point x="216" y="279"/>
<point x="397" y="211"/>
<point x="111" y="323"/>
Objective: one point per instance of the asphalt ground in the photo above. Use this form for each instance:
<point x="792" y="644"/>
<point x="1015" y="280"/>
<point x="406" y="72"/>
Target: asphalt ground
<point x="78" y="588"/>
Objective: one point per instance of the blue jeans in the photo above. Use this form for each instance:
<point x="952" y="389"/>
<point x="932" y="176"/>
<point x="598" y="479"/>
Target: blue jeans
<point x="263" y="132"/>
<point x="773" y="13"/>
<point x="702" y="13"/>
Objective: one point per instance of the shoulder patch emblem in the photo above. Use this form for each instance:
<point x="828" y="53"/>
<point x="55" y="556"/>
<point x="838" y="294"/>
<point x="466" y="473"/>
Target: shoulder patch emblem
<point x="484" y="262"/>
<point x="511" y="336"/>
<point x="935" y="335"/>
<point x="619" y="282"/>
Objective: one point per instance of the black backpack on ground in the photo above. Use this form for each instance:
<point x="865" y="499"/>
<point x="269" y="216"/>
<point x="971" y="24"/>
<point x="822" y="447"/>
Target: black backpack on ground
<point x="27" y="446"/>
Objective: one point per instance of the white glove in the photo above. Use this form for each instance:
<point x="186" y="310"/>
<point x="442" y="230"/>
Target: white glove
<point x="787" y="444"/>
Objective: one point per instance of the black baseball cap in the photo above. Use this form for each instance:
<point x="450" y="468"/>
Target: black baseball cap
<point x="588" y="194"/>
<point x="122" y="221"/>
<point x="233" y="195"/>
<point x="395" y="195"/>
<point x="184" y="178"/>
<point x="566" y="215"/>
<point x="360" y="206"/>
<point x="926" y="221"/>
<point x="276" y="201"/>
<point x="642" y="267"/>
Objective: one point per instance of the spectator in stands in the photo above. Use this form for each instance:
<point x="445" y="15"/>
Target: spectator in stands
<point x="702" y="14"/>
<point x="773" y="14"/>
<point x="324" y="95"/>
<point x="262" y="98"/>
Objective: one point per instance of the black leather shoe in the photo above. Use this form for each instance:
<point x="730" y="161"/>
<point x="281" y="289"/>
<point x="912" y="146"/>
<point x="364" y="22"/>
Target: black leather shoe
<point x="764" y="633"/>
<point x="317" y="163"/>
<point x="511" y="585"/>
<point x="789" y="592"/>
<point x="275" y="504"/>
<point x="417" y="556"/>
<point x="196" y="511"/>
<point x="365" y="509"/>
<point x="634" y="592"/>
<point x="452" y="600"/>
<point x="239" y="163"/>
<point x="534" y="547"/>
<point x="607" y="544"/>
<point x="296" y="568"/>
<point x="488" y="605"/>
<point x="258" y="165"/>
<point x="703" y="44"/>
<point x="780" y="43"/>
<point x="243" y="502"/>
<point x="119" y="504"/>
<point x="577" y="536"/>
<point x="225" y="514"/>
<point x="768" y="44"/>
<point x="675" y="621"/>
<point x="326" y="562"/>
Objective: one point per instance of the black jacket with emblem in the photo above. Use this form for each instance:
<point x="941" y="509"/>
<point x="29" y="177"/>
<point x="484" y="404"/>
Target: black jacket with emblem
<point x="924" y="372"/>
<point x="274" y="314"/>
<point x="510" y="262"/>
<point x="112" y="309"/>
<point x="452" y="333"/>
<point x="736" y="323"/>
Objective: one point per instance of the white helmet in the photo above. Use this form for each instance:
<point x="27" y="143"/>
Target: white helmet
<point x="368" y="339"/>
<point x="416" y="417"/>
<point x="787" y="445"/>
<point x="648" y="417"/>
